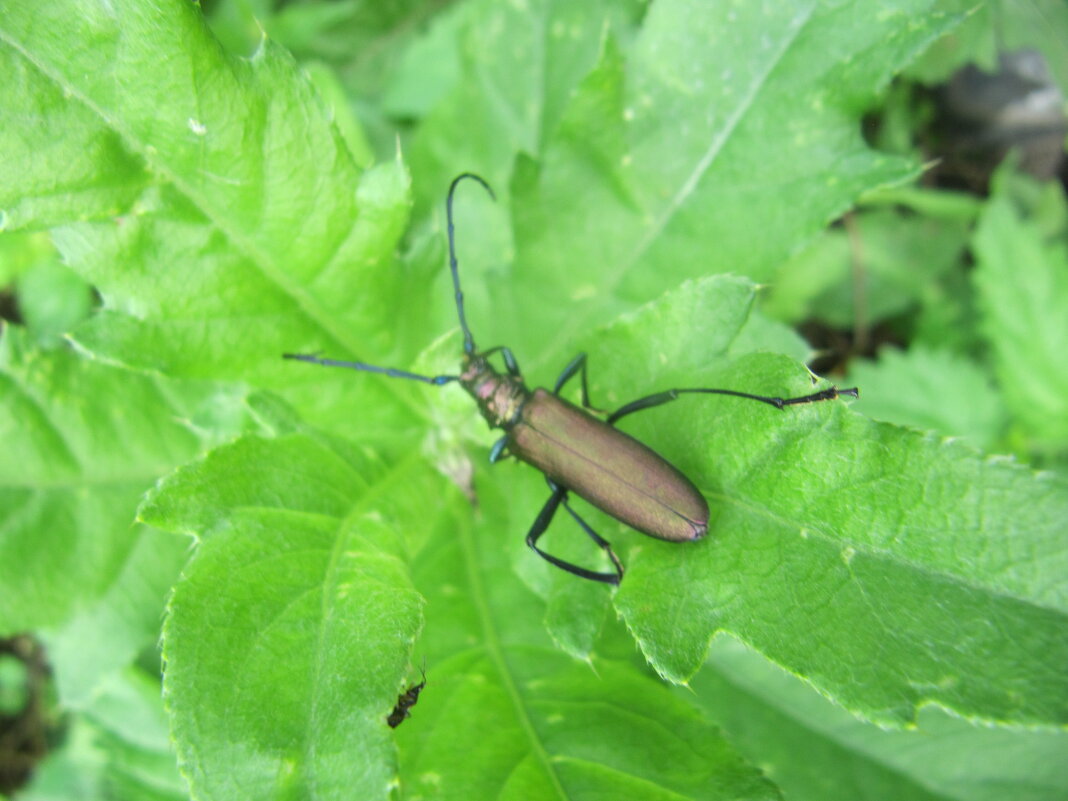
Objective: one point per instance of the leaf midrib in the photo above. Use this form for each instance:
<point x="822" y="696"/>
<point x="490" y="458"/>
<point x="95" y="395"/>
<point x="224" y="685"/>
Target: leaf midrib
<point x="492" y="640"/>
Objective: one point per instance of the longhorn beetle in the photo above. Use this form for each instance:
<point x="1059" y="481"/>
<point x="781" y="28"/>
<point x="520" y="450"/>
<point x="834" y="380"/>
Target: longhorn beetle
<point x="576" y="451"/>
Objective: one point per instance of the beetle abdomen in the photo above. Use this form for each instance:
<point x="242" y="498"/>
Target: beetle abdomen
<point x="608" y="468"/>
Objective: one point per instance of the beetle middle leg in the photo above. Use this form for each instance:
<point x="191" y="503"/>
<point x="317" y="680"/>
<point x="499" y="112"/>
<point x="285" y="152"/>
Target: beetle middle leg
<point x="541" y="523"/>
<point x="576" y="365"/>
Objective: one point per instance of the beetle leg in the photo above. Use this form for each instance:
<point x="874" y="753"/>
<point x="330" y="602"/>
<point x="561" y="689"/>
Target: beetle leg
<point x="577" y="365"/>
<point x="650" y="401"/>
<point x="509" y="359"/>
<point x="498" y="449"/>
<point x="602" y="543"/>
<point x="541" y="523"/>
<point x="510" y="362"/>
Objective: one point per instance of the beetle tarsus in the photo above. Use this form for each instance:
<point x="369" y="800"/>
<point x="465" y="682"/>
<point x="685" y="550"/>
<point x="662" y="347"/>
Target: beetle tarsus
<point x="831" y="393"/>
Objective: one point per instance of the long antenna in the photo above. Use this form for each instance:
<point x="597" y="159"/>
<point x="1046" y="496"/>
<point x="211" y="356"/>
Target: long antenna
<point x="469" y="341"/>
<point x="392" y="372"/>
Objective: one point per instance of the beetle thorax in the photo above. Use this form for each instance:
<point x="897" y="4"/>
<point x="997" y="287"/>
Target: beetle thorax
<point x="500" y="398"/>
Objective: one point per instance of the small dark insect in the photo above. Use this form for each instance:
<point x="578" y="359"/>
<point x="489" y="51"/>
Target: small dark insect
<point x="405" y="701"/>
<point x="577" y="451"/>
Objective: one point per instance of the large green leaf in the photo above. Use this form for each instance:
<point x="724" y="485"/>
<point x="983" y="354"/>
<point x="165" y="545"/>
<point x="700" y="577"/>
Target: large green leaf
<point x="82" y="442"/>
<point x="57" y="161"/>
<point x="726" y="138"/>
<point x="264" y="237"/>
<point x="287" y="637"/>
<point x="829" y="528"/>
<point x="288" y="629"/>
<point x="822" y="555"/>
<point x="712" y="138"/>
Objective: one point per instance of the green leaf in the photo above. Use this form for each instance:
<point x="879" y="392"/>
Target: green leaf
<point x="829" y="528"/>
<point x="58" y="161"/>
<point x="297" y="607"/>
<point x="932" y="390"/>
<point x="519" y="65"/>
<point x="741" y="140"/>
<point x="1022" y="281"/>
<point x="505" y="714"/>
<point x="288" y="631"/>
<point x="52" y="300"/>
<point x="119" y="748"/>
<point x="264" y="222"/>
<point x="816" y="751"/>
<point x="82" y="442"/>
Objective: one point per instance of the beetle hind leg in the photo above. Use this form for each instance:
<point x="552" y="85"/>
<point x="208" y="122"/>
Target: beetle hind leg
<point x="602" y="543"/>
<point x="541" y="523"/>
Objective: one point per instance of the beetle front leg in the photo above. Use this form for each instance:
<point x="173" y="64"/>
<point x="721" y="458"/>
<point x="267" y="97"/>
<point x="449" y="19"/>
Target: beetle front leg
<point x="509" y="359"/>
<point x="498" y="449"/>
<point x="541" y="523"/>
